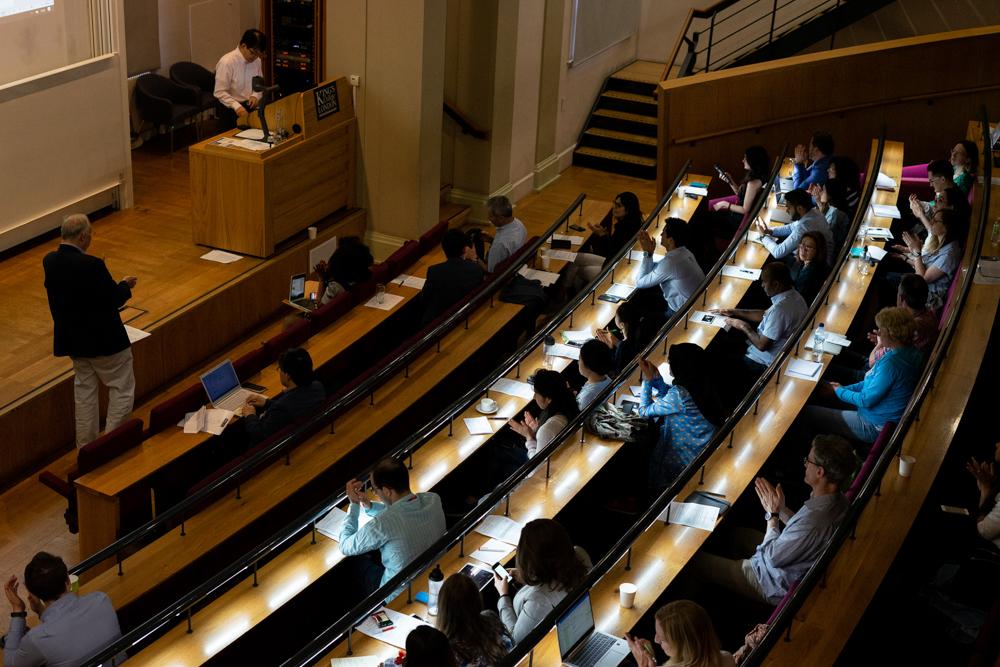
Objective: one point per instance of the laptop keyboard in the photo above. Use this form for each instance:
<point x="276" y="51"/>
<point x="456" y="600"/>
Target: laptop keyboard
<point x="234" y="400"/>
<point x="595" y="648"/>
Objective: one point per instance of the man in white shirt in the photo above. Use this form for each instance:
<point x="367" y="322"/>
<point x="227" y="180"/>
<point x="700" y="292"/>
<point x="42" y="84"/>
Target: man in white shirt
<point x="678" y="273"/>
<point x="782" y="241"/>
<point x="234" y="75"/>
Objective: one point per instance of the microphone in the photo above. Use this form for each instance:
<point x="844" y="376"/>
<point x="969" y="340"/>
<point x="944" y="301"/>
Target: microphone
<point x="260" y="86"/>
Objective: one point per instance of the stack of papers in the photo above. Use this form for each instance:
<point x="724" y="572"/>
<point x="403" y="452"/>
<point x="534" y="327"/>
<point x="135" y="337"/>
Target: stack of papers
<point x="221" y="256"/>
<point x="396" y="634"/>
<point x="711" y="319"/>
<point x="885" y="211"/>
<point x="514" y="388"/>
<point x="333" y="523"/>
<point x="500" y="528"/>
<point x="694" y="515"/>
<point x="248" y="144"/>
<point x="546" y="278"/>
<point x="581" y="336"/>
<point x="878" y="233"/>
<point x="404" y="280"/>
<point x="251" y="133"/>
<point x="734" y="271"/>
<point x="560" y="350"/>
<point x="493" y="551"/>
<point x="621" y="290"/>
<point x="564" y="255"/>
<point x="574" y="240"/>
<point x="357" y="661"/>
<point x="804" y="370"/>
<point x="834" y="344"/>
<point x="478" y="426"/>
<point x="692" y="190"/>
<point x="786" y="184"/>
<point x="884" y="182"/>
<point x="389" y="301"/>
<point x="876" y="253"/>
<point x="207" y="420"/>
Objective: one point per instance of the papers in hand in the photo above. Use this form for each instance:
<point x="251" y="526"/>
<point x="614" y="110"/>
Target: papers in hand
<point x="884" y="182"/>
<point x="876" y="253"/>
<point x="621" y="290"/>
<point x="711" y="319"/>
<point x="574" y="240"/>
<point x="734" y="271"/>
<point x="207" y="420"/>
<point x="333" y="523"/>
<point x="478" y="425"/>
<point x="221" y="256"/>
<point x="492" y="551"/>
<point x="135" y="335"/>
<point x="565" y="351"/>
<point x="885" y="211"/>
<point x="804" y="370"/>
<point x="404" y="280"/>
<point x="514" y="388"/>
<point x="500" y="528"/>
<point x="694" y="515"/>
<point x="402" y="625"/>
<point x="389" y="301"/>
<point x="546" y="278"/>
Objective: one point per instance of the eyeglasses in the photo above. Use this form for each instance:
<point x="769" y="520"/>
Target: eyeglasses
<point x="806" y="461"/>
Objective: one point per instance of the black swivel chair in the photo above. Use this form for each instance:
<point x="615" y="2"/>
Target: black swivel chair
<point x="195" y="76"/>
<point x="163" y="102"/>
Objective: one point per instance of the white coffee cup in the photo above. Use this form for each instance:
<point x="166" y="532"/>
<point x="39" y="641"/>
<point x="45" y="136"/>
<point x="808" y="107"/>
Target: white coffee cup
<point x="906" y="465"/>
<point x="627" y="593"/>
<point x="546" y="260"/>
<point x="312" y="232"/>
<point x="487" y="404"/>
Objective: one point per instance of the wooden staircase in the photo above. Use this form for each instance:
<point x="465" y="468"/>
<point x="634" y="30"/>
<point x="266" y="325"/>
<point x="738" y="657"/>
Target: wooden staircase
<point x="620" y="134"/>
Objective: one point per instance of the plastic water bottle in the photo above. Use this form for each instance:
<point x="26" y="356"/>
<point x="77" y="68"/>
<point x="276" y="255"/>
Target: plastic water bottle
<point x="819" y="340"/>
<point x="434" y="582"/>
<point x="279" y="120"/>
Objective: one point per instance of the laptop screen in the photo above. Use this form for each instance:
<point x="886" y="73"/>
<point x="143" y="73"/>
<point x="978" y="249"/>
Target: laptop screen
<point x="220" y="381"/>
<point x="297" y="287"/>
<point x="574" y="625"/>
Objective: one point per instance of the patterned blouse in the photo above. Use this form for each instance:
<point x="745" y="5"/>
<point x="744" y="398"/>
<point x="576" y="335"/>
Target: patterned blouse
<point x="683" y="434"/>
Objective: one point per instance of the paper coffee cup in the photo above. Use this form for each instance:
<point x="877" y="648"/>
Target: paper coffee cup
<point x="74" y="583"/>
<point x="906" y="465"/>
<point x="546" y="260"/>
<point x="312" y="232"/>
<point x="627" y="593"/>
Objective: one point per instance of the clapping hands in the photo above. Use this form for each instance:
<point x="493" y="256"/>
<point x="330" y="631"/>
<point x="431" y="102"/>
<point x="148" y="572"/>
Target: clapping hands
<point x="772" y="498"/>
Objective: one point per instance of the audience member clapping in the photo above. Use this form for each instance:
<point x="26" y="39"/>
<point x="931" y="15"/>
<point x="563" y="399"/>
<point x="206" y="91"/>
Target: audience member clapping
<point x="678" y="274"/>
<point x="936" y="267"/>
<point x="810" y="269"/>
<point x="686" y="635"/>
<point x="782" y="241"/>
<point x="811" y="162"/>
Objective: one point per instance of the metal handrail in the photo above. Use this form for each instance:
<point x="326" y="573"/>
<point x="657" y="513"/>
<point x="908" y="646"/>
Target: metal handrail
<point x="164" y="520"/>
<point x="623" y="547"/>
<point x="307" y="521"/>
<point x="309" y="654"/>
<point x="783" y="621"/>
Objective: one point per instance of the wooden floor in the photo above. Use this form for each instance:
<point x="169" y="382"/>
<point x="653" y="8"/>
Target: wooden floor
<point x="137" y="241"/>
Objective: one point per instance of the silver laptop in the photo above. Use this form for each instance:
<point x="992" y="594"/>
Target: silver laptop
<point x="297" y="296"/>
<point x="580" y="645"/>
<point x="223" y="387"/>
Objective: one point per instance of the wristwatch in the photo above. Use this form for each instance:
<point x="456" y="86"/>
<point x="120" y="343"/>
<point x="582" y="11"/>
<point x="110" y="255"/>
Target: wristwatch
<point x="19" y="614"/>
<point x="768" y="516"/>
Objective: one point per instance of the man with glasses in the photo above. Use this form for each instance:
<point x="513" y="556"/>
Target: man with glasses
<point x="783" y="556"/>
<point x="234" y="75"/>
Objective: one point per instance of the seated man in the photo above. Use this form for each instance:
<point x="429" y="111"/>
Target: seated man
<point x="782" y="241"/>
<point x="678" y="273"/>
<point x="511" y="232"/>
<point x="403" y="525"/>
<point x="818" y="156"/>
<point x="595" y="362"/>
<point x="234" y="75"/>
<point x="452" y="279"/>
<point x="72" y="628"/>
<point x="783" y="556"/>
<point x="767" y="330"/>
<point x="302" y="395"/>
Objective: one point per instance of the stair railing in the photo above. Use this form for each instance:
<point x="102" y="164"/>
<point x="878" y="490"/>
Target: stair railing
<point x="464" y="122"/>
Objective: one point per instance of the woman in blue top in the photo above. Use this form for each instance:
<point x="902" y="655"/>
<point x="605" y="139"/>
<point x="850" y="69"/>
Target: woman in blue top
<point x="690" y="410"/>
<point x="884" y="392"/>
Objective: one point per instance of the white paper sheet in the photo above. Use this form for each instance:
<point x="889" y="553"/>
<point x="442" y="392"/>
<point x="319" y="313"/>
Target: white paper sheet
<point x="207" y="420"/>
<point x="621" y="290"/>
<point x="578" y="336"/>
<point x="883" y="182"/>
<point x="637" y="255"/>
<point x="135" y="335"/>
<point x="357" y="661"/>
<point x="248" y="144"/>
<point x="636" y="389"/>
<point x="333" y="523"/>
<point x="492" y="551"/>
<point x="221" y="256"/>
<point x="711" y="319"/>
<point x="692" y="190"/>
<point x="565" y="351"/>
<point x="409" y="281"/>
<point x="876" y="253"/>
<point x="251" y="133"/>
<point x="546" y="278"/>
<point x="734" y="271"/>
<point x="396" y="635"/>
<point x="514" y="388"/>
<point x="885" y="211"/>
<point x="389" y="302"/>
<point x="564" y="255"/>
<point x="501" y="528"/>
<point x="786" y="184"/>
<point x="574" y="240"/>
<point x="478" y="425"/>
<point x="878" y="233"/>
<point x="804" y="370"/>
<point x="694" y="515"/>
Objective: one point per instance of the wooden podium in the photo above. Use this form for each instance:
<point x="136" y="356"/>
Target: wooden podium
<point x="248" y="201"/>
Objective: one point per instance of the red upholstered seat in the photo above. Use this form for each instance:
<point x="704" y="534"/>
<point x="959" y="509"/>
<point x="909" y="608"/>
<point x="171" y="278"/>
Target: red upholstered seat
<point x="291" y="337"/>
<point x="403" y="258"/>
<point x="326" y="314"/>
<point x="873" y="455"/>
<point x="252" y="362"/>
<point x="432" y="237"/>
<point x="167" y="413"/>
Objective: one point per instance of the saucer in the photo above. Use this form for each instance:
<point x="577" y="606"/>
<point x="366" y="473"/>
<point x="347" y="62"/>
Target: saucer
<point x="487" y="412"/>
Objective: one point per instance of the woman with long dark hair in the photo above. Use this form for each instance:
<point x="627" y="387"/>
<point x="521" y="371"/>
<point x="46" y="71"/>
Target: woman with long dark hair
<point x="810" y="269"/>
<point x="477" y="636"/>
<point x="614" y="232"/>
<point x="690" y="409"/>
<point x="756" y="166"/>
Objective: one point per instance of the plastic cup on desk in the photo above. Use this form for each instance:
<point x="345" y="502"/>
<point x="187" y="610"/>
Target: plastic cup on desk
<point x="626" y="594"/>
<point x="546" y="260"/>
<point x="312" y="232"/>
<point x="380" y="293"/>
<point x="906" y="465"/>
<point x="74" y="583"/>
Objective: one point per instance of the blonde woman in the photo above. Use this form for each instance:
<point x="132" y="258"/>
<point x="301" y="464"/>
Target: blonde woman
<point x="685" y="633"/>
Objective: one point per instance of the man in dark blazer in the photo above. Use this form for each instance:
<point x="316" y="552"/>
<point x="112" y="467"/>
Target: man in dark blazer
<point x="451" y="280"/>
<point x="303" y="394"/>
<point x="84" y="300"/>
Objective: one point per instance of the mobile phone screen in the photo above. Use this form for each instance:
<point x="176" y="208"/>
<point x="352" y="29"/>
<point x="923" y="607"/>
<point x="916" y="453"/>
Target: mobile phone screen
<point x="501" y="572"/>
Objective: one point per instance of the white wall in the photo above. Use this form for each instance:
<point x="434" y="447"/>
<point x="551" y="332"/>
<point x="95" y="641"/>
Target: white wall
<point x="658" y="27"/>
<point x="33" y="43"/>
<point x="203" y="30"/>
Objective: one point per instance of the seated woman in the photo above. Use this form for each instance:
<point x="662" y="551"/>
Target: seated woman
<point x="548" y="566"/>
<point x="686" y="635"/>
<point x="690" y="410"/>
<point x="728" y="214"/>
<point x="920" y="238"/>
<point x="425" y="647"/>
<point x="936" y="267"/>
<point x="614" y="232"/>
<point x="349" y="265"/>
<point x="558" y="405"/>
<point x="843" y="184"/>
<point x="477" y="636"/>
<point x="810" y="269"/>
<point x="988" y="515"/>
<point x="626" y="339"/>
<point x="965" y="160"/>
<point x="885" y="390"/>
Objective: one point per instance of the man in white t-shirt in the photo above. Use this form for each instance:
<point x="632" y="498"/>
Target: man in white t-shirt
<point x="234" y="75"/>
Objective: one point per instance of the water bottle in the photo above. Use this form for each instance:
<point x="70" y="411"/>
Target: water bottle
<point x="434" y="582"/>
<point x="819" y="340"/>
<point x="866" y="263"/>
<point x="279" y="120"/>
<point x="995" y="237"/>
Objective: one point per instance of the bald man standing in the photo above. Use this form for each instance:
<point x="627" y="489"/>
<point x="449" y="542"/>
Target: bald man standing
<point x="84" y="300"/>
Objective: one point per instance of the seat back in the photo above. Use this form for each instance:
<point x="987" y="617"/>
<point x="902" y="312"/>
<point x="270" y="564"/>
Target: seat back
<point x="784" y="601"/>
<point x="252" y="362"/>
<point x="949" y="301"/>
<point x="192" y="74"/>
<point x="325" y="315"/>
<point x="110" y="445"/>
<point x="291" y="337"/>
<point x="169" y="412"/>
<point x="403" y="258"/>
<point x="432" y="237"/>
<point x="873" y="455"/>
<point x="382" y="273"/>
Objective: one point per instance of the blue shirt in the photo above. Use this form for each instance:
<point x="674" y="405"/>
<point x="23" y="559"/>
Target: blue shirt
<point x="883" y="394"/>
<point x="589" y="392"/>
<point x="72" y="628"/>
<point x="507" y="241"/>
<point x="779" y="321"/>
<point x="815" y="173"/>
<point x="789" y="235"/>
<point x="677" y="274"/>
<point x="786" y="555"/>
<point x="684" y="432"/>
<point x="399" y="532"/>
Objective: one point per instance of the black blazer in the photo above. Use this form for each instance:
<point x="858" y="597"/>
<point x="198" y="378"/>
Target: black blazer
<point x="283" y="409"/>
<point x="446" y="284"/>
<point x="84" y="300"/>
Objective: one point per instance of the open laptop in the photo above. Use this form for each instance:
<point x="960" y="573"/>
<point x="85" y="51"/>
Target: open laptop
<point x="223" y="387"/>
<point x="580" y="645"/>
<point x="299" y="295"/>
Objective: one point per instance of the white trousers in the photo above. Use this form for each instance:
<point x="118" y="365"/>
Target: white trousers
<point x="583" y="269"/>
<point x="114" y="371"/>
